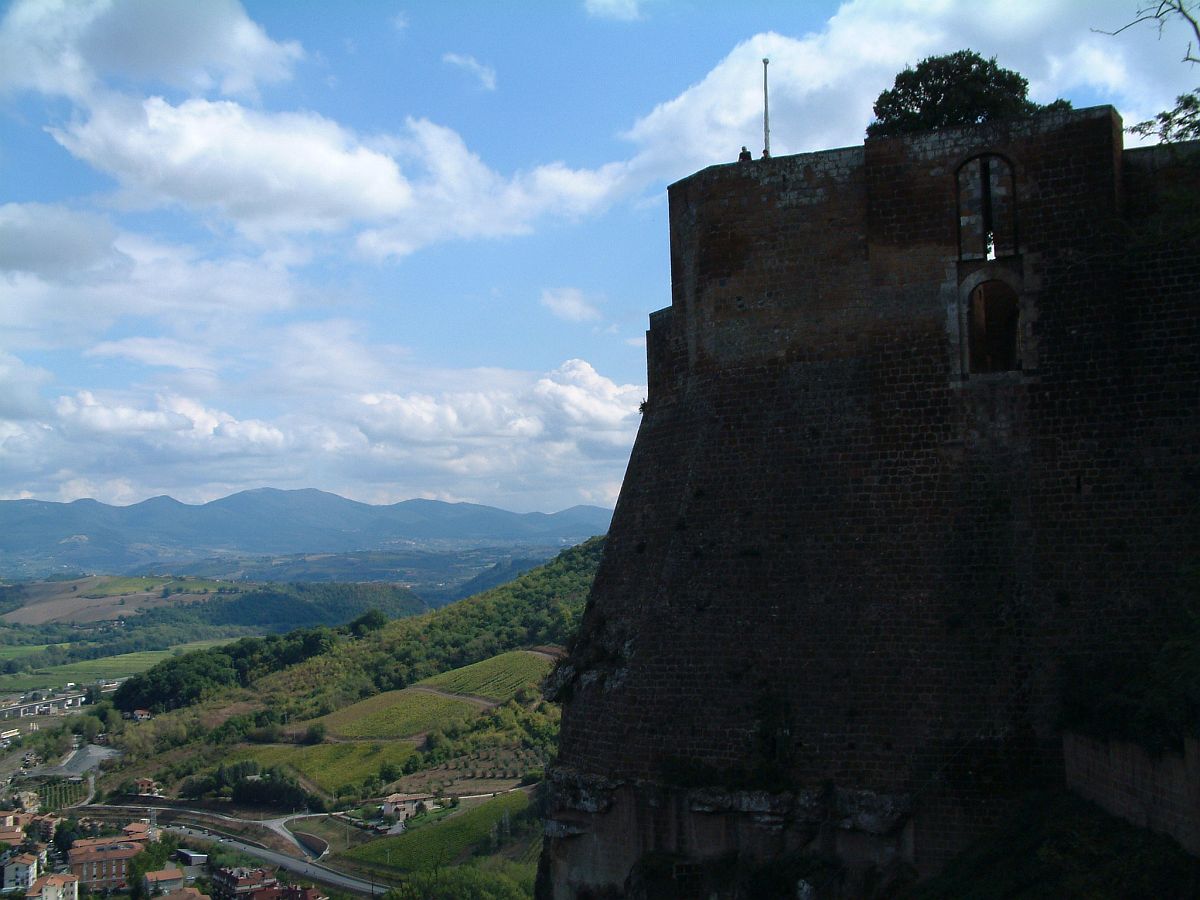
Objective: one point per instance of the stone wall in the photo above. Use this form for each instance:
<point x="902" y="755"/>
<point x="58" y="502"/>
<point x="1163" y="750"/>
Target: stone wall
<point x="1160" y="792"/>
<point x="846" y="565"/>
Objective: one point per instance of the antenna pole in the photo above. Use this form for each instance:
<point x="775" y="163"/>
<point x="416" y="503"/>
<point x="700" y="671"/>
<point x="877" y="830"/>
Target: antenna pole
<point x="766" y="114"/>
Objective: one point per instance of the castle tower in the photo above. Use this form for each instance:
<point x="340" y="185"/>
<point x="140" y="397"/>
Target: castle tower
<point x="921" y="429"/>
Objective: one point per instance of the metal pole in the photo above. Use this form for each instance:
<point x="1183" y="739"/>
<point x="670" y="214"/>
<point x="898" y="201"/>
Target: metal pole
<point x="766" y="114"/>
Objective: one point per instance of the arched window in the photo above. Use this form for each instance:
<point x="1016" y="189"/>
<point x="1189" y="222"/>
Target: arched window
<point x="993" y="327"/>
<point x="987" y="215"/>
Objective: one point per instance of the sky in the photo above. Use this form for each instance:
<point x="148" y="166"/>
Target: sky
<point x="397" y="250"/>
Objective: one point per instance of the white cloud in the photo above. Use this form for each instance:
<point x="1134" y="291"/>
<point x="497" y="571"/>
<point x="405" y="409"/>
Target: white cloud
<point x="399" y="21"/>
<point x="56" y="242"/>
<point x="823" y="84"/>
<point x="620" y="10"/>
<point x="197" y="46"/>
<point x="85" y="414"/>
<point x="67" y="46"/>
<point x="282" y="172"/>
<point x="580" y="397"/>
<point x="485" y="74"/>
<point x="514" y="442"/>
<point x="569" y="304"/>
<point x="456" y="195"/>
<point x="66" y="277"/>
<point x="20" y="386"/>
<point x="156" y="351"/>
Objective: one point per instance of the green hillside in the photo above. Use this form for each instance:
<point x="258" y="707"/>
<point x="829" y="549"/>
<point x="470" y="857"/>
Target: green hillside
<point x="542" y="606"/>
<point x="499" y="678"/>
<point x="396" y="714"/>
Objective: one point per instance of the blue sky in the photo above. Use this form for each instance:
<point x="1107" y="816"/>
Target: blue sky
<point x="409" y="249"/>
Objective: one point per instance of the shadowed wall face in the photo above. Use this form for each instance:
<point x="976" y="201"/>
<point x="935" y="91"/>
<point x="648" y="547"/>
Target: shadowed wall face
<point x="908" y="446"/>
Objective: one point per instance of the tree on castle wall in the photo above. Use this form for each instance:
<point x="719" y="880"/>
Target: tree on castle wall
<point x="1183" y="122"/>
<point x="960" y="88"/>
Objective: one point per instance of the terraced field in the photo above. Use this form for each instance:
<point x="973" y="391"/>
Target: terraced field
<point x="330" y="766"/>
<point x="440" y="843"/>
<point x="396" y="714"/>
<point x="500" y="678"/>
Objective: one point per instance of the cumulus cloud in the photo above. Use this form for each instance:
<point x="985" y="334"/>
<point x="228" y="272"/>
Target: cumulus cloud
<point x="570" y="304"/>
<point x="282" y="172"/>
<point x="520" y="438"/>
<point x="485" y="74"/>
<point x="55" y="242"/>
<point x="457" y="195"/>
<point x="66" y="46"/>
<point x="824" y="83"/>
<point x="66" y="277"/>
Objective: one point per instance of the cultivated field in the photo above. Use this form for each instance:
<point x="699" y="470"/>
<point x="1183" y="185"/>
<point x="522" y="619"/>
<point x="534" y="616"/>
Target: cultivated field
<point x="480" y="772"/>
<point x="500" y="678"/>
<point x="102" y="598"/>
<point x="93" y="670"/>
<point x="15" y="651"/>
<point x="440" y="843"/>
<point x="330" y="766"/>
<point x="396" y="714"/>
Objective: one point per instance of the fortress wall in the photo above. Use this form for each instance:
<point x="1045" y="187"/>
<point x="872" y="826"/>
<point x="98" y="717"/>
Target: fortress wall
<point x="844" y="562"/>
<point x="1159" y="792"/>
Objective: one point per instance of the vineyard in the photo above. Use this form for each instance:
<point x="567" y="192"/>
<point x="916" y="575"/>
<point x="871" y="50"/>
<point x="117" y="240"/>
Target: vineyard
<point x="396" y="714"/>
<point x="331" y="766"/>
<point x="499" y="678"/>
<point x="444" y="842"/>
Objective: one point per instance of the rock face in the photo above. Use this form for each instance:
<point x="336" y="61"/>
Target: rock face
<point x="921" y="429"/>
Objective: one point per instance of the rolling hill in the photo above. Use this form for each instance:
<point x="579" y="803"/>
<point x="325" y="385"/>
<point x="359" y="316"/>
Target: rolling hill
<point x="38" y="538"/>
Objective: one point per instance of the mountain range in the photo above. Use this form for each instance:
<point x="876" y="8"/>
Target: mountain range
<point x="39" y="537"/>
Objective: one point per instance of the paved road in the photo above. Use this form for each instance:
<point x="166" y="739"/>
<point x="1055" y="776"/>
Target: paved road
<point x="276" y="824"/>
<point x="306" y="868"/>
<point x="86" y="758"/>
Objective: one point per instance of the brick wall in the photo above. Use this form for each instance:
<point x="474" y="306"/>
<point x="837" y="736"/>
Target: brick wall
<point x="1161" y="792"/>
<point x="842" y="555"/>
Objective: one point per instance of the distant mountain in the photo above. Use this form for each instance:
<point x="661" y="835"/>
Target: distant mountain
<point x="39" y="538"/>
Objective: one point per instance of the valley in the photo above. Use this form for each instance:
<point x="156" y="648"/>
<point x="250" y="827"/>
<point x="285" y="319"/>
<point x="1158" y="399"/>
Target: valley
<point x="435" y="717"/>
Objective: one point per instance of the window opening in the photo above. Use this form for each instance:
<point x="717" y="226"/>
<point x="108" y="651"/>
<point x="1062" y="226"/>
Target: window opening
<point x="993" y="311"/>
<point x="986" y="209"/>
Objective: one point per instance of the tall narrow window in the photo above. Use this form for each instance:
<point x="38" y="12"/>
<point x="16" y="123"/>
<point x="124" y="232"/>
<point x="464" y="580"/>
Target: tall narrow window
<point x="987" y="220"/>
<point x="993" y="319"/>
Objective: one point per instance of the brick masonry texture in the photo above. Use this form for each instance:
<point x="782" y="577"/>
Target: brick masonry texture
<point x="1160" y="792"/>
<point x="847" y="567"/>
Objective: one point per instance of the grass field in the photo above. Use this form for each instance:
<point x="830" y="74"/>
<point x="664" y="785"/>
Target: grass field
<point x="118" y="585"/>
<point x="442" y="843"/>
<point x="396" y="714"/>
<point x="499" y="678"/>
<point x="336" y="833"/>
<point x="329" y="766"/>
<point x="92" y="670"/>
<point x="15" y="651"/>
<point x="115" y="586"/>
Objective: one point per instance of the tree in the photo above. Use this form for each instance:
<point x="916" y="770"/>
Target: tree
<point x="960" y="88"/>
<point x="1183" y="122"/>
